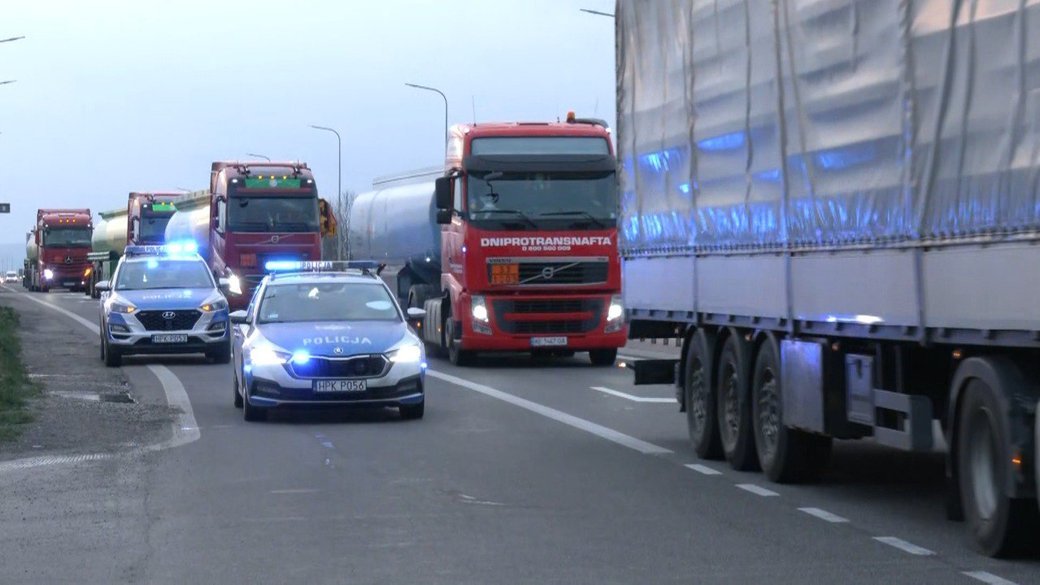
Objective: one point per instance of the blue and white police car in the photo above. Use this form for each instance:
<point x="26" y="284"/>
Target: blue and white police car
<point x="328" y="334"/>
<point x="161" y="300"/>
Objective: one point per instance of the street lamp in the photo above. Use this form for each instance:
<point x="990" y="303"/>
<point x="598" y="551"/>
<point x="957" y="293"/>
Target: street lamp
<point x="8" y="81"/>
<point x="265" y="157"/>
<point x="11" y="39"/>
<point x="445" y="98"/>
<point x="597" y="12"/>
<point x="339" y="184"/>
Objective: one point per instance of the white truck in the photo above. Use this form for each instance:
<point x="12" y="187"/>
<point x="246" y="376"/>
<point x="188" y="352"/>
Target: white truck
<point x="833" y="205"/>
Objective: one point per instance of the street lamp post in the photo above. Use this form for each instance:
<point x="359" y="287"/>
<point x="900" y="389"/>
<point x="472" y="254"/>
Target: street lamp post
<point x="443" y="97"/>
<point x="11" y="39"/>
<point x="265" y="157"/>
<point x="8" y="81"/>
<point x="597" y="12"/>
<point x="339" y="185"/>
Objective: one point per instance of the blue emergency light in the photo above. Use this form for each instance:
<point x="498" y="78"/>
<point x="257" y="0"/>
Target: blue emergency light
<point x="188" y="248"/>
<point x="364" y="266"/>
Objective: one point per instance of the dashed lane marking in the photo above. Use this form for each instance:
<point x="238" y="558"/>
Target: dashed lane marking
<point x="757" y="490"/>
<point x="556" y="415"/>
<point x="987" y="577"/>
<point x="904" y="546"/>
<point x="824" y="515"/>
<point x="633" y="397"/>
<point x="704" y="469"/>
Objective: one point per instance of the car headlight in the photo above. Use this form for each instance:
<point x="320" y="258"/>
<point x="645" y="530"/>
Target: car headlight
<point x="409" y="354"/>
<point x="265" y="356"/>
<point x="48" y="273"/>
<point x="478" y="309"/>
<point x="218" y="305"/>
<point x="234" y="284"/>
<point x="125" y="308"/>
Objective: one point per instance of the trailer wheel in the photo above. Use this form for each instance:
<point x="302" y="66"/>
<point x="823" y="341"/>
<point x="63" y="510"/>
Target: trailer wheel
<point x="700" y="398"/>
<point x="998" y="524"/>
<point x="734" y="405"/>
<point x="786" y="455"/>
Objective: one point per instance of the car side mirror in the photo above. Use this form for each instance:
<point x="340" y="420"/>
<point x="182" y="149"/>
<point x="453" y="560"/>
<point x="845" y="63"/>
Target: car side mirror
<point x="442" y="191"/>
<point x="443" y="216"/>
<point x="416" y="314"/>
<point x="238" y="317"/>
<point x="103" y="286"/>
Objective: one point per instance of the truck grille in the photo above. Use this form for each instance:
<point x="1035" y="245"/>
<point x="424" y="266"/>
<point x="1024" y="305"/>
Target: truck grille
<point x="559" y="273"/>
<point x="362" y="366"/>
<point x="507" y="312"/>
<point x="182" y="320"/>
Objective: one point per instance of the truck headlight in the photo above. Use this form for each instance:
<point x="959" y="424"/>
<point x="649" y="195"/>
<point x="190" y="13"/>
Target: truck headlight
<point x="478" y="309"/>
<point x="265" y="356"/>
<point x="234" y="284"/>
<point x="409" y="354"/>
<point x="615" y="315"/>
<point x="48" y="273"/>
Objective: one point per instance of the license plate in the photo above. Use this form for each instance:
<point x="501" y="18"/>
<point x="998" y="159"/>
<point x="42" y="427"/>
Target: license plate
<point x="170" y="338"/>
<point x="548" y="341"/>
<point x="340" y="385"/>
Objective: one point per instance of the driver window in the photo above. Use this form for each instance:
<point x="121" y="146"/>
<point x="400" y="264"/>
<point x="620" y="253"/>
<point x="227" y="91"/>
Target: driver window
<point x="221" y="215"/>
<point x="457" y="184"/>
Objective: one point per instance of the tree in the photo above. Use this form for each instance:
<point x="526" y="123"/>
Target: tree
<point x="337" y="246"/>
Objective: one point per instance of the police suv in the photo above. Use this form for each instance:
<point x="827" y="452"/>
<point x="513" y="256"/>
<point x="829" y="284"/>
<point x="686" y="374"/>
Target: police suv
<point x="326" y="333"/>
<point x="161" y="300"/>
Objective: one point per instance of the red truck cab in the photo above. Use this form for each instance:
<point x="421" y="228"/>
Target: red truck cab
<point x="147" y="215"/>
<point x="529" y="241"/>
<point x="56" y="253"/>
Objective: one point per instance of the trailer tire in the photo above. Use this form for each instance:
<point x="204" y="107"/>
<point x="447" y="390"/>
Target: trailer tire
<point x="999" y="525"/>
<point x="734" y="405"/>
<point x="603" y="357"/>
<point x="702" y="423"/>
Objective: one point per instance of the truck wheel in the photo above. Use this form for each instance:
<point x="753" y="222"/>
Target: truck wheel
<point x="456" y="355"/>
<point x="113" y="358"/>
<point x="999" y="525"/>
<point x="785" y="454"/>
<point x="603" y="357"/>
<point x="699" y="397"/>
<point x="734" y="405"/>
<point x="252" y="413"/>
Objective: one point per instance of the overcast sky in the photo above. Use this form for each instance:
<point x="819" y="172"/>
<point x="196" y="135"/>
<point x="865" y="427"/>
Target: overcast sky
<point x="115" y="96"/>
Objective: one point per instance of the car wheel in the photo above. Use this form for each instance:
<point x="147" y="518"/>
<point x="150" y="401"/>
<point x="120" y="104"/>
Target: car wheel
<point x="113" y="358"/>
<point x="252" y="413"/>
<point x="412" y="411"/>
<point x="222" y="355"/>
<point x="603" y="357"/>
<point x="237" y="387"/>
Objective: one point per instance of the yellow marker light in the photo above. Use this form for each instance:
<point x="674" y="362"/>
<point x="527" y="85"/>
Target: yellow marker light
<point x="285" y="177"/>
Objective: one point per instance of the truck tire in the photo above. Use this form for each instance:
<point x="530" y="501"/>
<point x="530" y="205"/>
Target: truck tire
<point x="699" y="398"/>
<point x="603" y="357"/>
<point x="734" y="405"/>
<point x="113" y="359"/>
<point x="786" y="455"/>
<point x="998" y="524"/>
<point x="456" y="355"/>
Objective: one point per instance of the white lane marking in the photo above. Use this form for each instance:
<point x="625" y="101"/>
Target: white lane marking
<point x="990" y="578"/>
<point x="824" y="515"/>
<point x="551" y="413"/>
<point x="757" y="490"/>
<point x="904" y="546"/>
<point x="632" y="397"/>
<point x="703" y="469"/>
<point x="296" y="491"/>
<point x="185" y="428"/>
<point x="30" y="462"/>
<point x="88" y="396"/>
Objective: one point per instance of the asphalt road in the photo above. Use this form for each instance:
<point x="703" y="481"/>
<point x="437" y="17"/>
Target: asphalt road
<point x="521" y="472"/>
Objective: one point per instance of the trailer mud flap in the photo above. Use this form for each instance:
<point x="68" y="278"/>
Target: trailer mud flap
<point x="653" y="371"/>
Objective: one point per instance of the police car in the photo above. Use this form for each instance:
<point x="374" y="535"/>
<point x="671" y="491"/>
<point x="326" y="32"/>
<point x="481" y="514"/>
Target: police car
<point x="161" y="300"/>
<point x="326" y="333"/>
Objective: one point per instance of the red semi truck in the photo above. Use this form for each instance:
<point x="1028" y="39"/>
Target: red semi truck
<point x="57" y="248"/>
<point x="147" y="215"/>
<point x="253" y="213"/>
<point x="512" y="248"/>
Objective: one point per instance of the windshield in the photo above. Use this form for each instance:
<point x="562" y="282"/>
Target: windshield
<point x="544" y="200"/>
<point x="330" y="301"/>
<point x="69" y="237"/>
<point x="155" y="273"/>
<point x="152" y="229"/>
<point x="273" y="214"/>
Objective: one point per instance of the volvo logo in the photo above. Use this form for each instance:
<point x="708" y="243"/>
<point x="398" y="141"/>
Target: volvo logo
<point x="168" y="315"/>
<point x="338" y="351"/>
<point x="275" y="238"/>
<point x="548" y="272"/>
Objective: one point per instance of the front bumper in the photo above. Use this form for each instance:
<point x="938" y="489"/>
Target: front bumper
<point x="385" y="391"/>
<point x="67" y="276"/>
<point x="208" y="333"/>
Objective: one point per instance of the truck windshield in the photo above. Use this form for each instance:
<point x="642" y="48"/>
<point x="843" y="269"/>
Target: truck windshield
<point x="156" y="273"/>
<point x="327" y="301"/>
<point x="547" y="200"/>
<point x="67" y="237"/>
<point x="153" y="228"/>
<point x="273" y="214"/>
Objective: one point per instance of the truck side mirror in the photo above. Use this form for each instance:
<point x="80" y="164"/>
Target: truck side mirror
<point x="442" y="190"/>
<point x="443" y="216"/>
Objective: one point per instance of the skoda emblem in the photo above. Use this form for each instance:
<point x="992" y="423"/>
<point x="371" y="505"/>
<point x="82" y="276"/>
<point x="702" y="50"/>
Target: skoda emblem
<point x="548" y="272"/>
<point x="168" y="315"/>
<point x="68" y="259"/>
<point x="338" y="351"/>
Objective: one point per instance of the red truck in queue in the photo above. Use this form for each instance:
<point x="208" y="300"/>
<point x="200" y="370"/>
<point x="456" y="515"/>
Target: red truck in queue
<point x="56" y="249"/>
<point x="512" y="248"/>
<point x="147" y="215"/>
<point x="253" y="213"/>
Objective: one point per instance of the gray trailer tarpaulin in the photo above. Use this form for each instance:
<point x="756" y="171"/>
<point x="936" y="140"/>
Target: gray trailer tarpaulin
<point x="762" y="124"/>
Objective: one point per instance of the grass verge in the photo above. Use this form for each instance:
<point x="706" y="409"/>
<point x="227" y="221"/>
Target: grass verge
<point x="15" y="386"/>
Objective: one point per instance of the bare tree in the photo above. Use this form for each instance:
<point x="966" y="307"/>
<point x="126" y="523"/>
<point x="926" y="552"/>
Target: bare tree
<point x="337" y="246"/>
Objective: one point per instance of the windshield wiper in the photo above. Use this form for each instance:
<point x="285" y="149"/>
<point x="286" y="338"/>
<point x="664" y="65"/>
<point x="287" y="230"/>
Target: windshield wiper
<point x="588" y="215"/>
<point x="515" y="212"/>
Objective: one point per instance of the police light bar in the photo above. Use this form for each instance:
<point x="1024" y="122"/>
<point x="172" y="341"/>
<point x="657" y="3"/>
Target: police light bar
<point x="366" y="266"/>
<point x="171" y="249"/>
